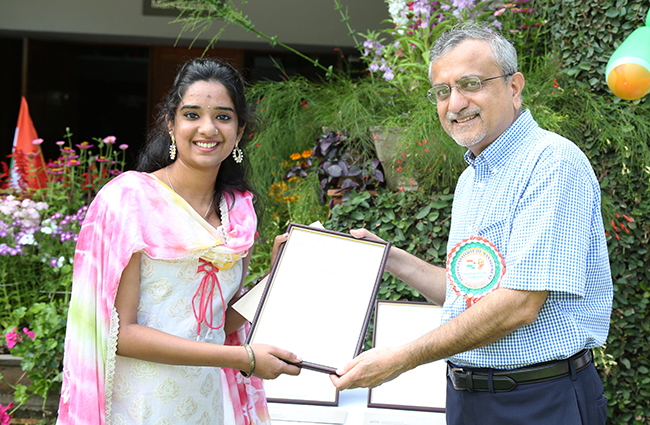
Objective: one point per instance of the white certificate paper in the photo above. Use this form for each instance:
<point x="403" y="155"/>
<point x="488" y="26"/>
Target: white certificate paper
<point x="317" y="304"/>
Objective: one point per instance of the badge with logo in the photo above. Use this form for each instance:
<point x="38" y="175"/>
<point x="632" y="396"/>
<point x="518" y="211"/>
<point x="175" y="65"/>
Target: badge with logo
<point x="475" y="268"/>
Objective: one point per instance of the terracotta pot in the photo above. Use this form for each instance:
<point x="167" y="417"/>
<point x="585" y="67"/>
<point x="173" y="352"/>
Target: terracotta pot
<point x="388" y="146"/>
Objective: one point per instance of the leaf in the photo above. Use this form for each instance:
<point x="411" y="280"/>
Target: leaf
<point x="334" y="170"/>
<point x="357" y="215"/>
<point x="423" y="212"/>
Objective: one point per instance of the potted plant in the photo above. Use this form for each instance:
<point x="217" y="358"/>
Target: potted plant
<point x="339" y="167"/>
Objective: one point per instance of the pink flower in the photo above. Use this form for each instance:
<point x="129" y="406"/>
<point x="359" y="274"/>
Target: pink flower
<point x="29" y="333"/>
<point x="37" y="141"/>
<point x="12" y="338"/>
<point x="85" y="145"/>
<point x="123" y="147"/>
<point x="60" y="143"/>
<point x="5" y="418"/>
<point x="499" y="12"/>
<point x="109" y="140"/>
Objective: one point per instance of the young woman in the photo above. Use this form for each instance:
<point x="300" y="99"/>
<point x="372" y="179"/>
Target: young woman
<point x="161" y="255"/>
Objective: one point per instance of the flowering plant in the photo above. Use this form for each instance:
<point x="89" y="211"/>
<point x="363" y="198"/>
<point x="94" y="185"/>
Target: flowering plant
<point x="36" y="252"/>
<point x="404" y="58"/>
<point x="336" y="164"/>
<point x="77" y="174"/>
<point x="5" y="418"/>
<point x="38" y="235"/>
<point x="41" y="348"/>
<point x="521" y="21"/>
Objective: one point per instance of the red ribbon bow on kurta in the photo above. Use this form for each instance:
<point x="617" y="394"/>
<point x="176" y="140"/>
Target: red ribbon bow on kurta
<point x="206" y="291"/>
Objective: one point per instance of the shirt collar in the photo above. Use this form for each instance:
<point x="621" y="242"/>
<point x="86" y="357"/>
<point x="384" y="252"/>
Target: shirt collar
<point x="496" y="154"/>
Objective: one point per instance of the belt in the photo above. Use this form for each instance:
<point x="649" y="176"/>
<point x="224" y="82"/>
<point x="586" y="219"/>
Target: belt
<point x="473" y="379"/>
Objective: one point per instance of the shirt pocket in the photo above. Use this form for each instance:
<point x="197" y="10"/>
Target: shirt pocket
<point x="498" y="233"/>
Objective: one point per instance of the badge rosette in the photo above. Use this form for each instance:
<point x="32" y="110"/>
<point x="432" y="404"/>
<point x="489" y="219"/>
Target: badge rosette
<point x="475" y="268"/>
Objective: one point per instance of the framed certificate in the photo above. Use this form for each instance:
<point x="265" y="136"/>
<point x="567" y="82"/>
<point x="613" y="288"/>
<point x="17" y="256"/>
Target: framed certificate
<point x="423" y="388"/>
<point x="317" y="303"/>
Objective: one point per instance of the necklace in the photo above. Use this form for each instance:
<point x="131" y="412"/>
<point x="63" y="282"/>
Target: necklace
<point x="172" y="186"/>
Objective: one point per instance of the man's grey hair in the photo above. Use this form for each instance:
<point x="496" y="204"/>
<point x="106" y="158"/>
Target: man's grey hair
<point x="503" y="52"/>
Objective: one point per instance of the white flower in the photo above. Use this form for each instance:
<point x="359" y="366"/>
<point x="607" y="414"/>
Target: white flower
<point x="27" y="239"/>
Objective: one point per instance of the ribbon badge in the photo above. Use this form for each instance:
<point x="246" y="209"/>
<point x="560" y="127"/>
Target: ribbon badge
<point x="475" y="268"/>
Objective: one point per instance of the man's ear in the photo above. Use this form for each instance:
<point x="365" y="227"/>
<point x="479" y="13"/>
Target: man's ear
<point x="517" y="84"/>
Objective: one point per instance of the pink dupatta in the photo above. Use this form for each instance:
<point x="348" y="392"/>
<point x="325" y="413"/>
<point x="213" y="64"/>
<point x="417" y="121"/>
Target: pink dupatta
<point x="137" y="213"/>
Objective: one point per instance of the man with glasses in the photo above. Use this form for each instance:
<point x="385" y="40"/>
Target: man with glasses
<point x="527" y="290"/>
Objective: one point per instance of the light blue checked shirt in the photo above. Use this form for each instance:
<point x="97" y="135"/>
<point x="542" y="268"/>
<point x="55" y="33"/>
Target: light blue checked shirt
<point x="535" y="196"/>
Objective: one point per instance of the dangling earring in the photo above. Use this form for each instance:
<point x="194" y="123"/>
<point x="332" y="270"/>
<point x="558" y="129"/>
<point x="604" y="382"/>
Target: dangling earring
<point x="237" y="153"/>
<point x="172" y="148"/>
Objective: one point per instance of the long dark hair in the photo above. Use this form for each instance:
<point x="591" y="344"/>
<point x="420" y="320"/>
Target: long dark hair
<point x="155" y="154"/>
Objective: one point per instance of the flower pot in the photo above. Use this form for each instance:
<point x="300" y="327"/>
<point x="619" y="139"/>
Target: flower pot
<point x="388" y="146"/>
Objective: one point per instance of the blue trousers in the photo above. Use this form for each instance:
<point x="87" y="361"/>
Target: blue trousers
<point x="570" y="400"/>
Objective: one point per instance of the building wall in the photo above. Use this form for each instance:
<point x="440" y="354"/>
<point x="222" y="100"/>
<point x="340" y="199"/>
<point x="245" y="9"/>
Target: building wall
<point x="312" y="23"/>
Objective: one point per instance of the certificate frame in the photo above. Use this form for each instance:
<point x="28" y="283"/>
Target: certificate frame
<point x="397" y="323"/>
<point x="317" y="303"/>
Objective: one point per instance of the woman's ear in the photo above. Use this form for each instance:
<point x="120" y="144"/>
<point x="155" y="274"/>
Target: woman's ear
<point x="241" y="132"/>
<point x="170" y="125"/>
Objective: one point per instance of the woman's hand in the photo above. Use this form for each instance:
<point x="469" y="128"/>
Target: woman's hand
<point x="271" y="362"/>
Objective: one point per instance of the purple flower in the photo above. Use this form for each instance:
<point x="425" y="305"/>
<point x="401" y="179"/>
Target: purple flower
<point x="85" y="145"/>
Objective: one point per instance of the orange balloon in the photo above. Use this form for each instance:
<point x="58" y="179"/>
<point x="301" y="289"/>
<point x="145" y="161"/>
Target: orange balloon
<point x="629" y="81"/>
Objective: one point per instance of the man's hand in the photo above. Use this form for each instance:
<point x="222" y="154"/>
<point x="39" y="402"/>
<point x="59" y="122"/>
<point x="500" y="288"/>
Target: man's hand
<point x="372" y="368"/>
<point x="365" y="234"/>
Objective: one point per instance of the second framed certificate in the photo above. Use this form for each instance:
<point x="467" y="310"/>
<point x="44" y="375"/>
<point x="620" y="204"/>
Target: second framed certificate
<point x="423" y="388"/>
<point x="317" y="303"/>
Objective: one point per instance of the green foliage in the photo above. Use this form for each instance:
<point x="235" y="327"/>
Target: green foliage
<point x="42" y="355"/>
<point x="585" y="33"/>
<point x="415" y="221"/>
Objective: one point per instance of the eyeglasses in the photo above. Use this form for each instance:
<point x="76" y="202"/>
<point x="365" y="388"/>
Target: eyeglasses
<point x="466" y="86"/>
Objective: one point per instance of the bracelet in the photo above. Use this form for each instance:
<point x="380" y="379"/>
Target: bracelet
<point x="251" y="358"/>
